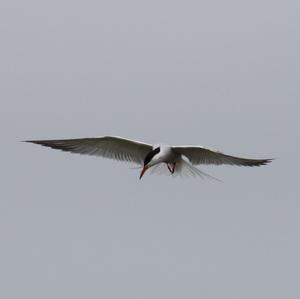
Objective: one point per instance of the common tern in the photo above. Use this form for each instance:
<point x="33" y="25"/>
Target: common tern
<point x="176" y="160"/>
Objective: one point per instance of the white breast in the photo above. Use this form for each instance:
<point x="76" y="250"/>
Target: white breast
<point x="165" y="155"/>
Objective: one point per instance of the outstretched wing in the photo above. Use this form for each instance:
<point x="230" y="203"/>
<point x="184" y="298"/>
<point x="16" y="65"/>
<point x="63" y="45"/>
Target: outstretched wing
<point x="108" y="147"/>
<point x="200" y="155"/>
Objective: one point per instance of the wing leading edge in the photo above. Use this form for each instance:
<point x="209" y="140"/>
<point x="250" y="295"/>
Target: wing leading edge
<point x="111" y="147"/>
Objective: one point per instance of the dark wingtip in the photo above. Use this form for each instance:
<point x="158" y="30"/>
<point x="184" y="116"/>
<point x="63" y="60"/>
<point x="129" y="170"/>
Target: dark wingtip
<point x="33" y="141"/>
<point x="256" y="162"/>
<point x="264" y="162"/>
<point x="267" y="161"/>
<point x="55" y="144"/>
<point x="47" y="143"/>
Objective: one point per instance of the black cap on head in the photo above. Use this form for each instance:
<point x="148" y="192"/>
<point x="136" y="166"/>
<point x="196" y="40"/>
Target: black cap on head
<point x="150" y="155"/>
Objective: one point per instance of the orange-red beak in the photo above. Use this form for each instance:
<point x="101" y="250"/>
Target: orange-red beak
<point x="143" y="171"/>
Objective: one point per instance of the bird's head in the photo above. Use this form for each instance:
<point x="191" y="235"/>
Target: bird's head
<point x="150" y="160"/>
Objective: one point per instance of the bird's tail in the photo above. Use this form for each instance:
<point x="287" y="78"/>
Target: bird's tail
<point x="186" y="169"/>
<point x="183" y="169"/>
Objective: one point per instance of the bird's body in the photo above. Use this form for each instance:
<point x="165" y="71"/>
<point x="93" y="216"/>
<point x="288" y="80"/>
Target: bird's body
<point x="165" y="155"/>
<point x="177" y="159"/>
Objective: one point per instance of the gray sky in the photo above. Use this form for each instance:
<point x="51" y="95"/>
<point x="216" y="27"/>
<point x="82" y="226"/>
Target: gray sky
<point x="223" y="74"/>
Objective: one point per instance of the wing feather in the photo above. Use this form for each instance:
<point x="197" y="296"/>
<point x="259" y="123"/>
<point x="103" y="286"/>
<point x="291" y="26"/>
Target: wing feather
<point x="111" y="147"/>
<point x="200" y="155"/>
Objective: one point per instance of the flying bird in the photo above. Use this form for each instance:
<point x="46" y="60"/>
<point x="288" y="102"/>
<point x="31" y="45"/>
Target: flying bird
<point x="176" y="160"/>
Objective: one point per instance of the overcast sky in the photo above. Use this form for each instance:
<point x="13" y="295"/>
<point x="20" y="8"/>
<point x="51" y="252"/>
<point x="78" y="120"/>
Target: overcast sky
<point x="222" y="74"/>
